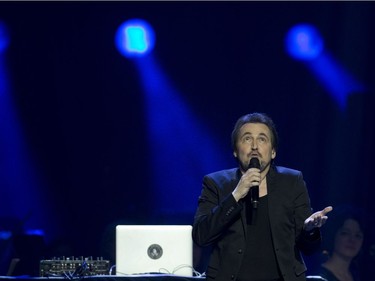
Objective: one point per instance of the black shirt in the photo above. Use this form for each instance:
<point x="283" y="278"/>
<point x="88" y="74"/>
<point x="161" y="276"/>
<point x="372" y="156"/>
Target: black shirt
<point x="259" y="263"/>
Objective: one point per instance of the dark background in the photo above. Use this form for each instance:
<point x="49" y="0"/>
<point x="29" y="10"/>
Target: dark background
<point x="82" y="117"/>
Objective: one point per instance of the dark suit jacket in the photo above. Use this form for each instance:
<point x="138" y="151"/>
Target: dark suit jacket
<point x="220" y="222"/>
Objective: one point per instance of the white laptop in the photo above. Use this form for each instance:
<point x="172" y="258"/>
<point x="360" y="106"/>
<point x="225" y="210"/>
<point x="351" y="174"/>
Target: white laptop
<point x="148" y="249"/>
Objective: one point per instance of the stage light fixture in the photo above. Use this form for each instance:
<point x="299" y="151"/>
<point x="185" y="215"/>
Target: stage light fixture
<point x="135" y="38"/>
<point x="304" y="42"/>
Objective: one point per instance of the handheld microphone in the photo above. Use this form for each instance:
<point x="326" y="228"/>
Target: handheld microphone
<point x="254" y="163"/>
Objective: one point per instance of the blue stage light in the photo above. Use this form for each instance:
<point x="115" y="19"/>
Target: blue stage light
<point x="135" y="38"/>
<point x="304" y="42"/>
<point x="169" y="118"/>
<point x="38" y="232"/>
<point x="4" y="37"/>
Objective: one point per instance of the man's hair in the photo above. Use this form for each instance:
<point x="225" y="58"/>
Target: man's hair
<point x="255" y="118"/>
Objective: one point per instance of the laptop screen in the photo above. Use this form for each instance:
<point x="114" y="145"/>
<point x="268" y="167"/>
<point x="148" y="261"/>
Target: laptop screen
<point x="144" y="249"/>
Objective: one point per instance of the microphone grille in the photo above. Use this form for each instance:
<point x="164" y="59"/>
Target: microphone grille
<point x="254" y="163"/>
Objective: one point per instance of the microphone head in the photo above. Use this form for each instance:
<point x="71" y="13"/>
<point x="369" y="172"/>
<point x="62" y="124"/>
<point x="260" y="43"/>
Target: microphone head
<point x="254" y="163"/>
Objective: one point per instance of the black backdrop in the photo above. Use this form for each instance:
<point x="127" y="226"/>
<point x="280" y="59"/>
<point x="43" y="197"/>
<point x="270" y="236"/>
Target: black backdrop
<point x="81" y="109"/>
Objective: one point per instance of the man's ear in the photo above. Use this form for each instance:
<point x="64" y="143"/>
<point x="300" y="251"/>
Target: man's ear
<point x="273" y="154"/>
<point x="235" y="154"/>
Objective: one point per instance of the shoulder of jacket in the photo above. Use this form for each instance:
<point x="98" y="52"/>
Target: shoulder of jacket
<point x="226" y="174"/>
<point x="287" y="171"/>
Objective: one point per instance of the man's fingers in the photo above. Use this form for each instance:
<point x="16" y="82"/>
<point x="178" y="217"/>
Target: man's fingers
<point x="326" y="210"/>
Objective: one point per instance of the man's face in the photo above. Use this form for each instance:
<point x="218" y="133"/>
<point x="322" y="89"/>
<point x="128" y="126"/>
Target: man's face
<point x="254" y="141"/>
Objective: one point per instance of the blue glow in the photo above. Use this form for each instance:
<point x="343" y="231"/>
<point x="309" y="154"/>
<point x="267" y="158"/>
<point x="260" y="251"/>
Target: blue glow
<point x="182" y="148"/>
<point x="21" y="198"/>
<point x="4" y="37"/>
<point x="5" y="235"/>
<point x="38" y="232"/>
<point x="335" y="79"/>
<point x="304" y="42"/>
<point x="135" y="38"/>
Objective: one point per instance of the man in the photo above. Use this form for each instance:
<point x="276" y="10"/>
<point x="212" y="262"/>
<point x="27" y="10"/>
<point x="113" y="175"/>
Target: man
<point x="263" y="241"/>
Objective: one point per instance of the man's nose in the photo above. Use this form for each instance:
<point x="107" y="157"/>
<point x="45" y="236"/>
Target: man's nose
<point x="254" y="145"/>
